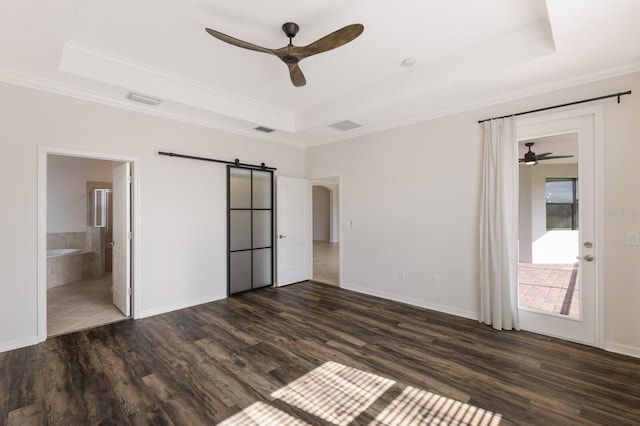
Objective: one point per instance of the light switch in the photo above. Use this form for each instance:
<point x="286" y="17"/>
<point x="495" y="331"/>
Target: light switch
<point x="632" y="239"/>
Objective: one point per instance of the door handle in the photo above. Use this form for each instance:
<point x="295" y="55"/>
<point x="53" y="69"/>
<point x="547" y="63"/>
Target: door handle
<point x="282" y="236"/>
<point x="587" y="257"/>
<point x="111" y="243"/>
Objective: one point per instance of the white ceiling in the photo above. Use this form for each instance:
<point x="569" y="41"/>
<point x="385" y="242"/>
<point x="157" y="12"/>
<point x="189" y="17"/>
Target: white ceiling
<point x="468" y="54"/>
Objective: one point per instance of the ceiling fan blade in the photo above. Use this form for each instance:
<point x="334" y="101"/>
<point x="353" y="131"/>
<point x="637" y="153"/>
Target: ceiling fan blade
<point x="239" y="43"/>
<point x="335" y="39"/>
<point x="551" y="157"/>
<point x="544" y="154"/>
<point x="297" y="78"/>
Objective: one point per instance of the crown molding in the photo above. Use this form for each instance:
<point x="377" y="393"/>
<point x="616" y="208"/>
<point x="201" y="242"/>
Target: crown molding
<point x="511" y="96"/>
<point x="89" y="62"/>
<point x="58" y="88"/>
<point x="533" y="41"/>
<point x="37" y="83"/>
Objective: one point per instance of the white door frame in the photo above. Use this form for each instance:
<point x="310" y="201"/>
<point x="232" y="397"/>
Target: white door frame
<point x="339" y="219"/>
<point x="597" y="112"/>
<point x="43" y="152"/>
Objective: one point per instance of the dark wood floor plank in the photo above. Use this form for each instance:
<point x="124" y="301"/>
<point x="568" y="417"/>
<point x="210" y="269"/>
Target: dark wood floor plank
<point x="27" y="415"/>
<point x="139" y="404"/>
<point x="179" y="407"/>
<point x="206" y="364"/>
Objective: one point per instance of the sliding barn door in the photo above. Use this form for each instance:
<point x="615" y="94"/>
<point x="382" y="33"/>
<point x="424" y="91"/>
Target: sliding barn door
<point x="250" y="229"/>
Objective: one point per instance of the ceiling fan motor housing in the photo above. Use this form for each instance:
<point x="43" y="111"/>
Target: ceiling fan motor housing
<point x="290" y="29"/>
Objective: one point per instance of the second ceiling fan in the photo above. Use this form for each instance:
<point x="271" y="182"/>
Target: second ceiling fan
<point x="530" y="157"/>
<point x="291" y="54"/>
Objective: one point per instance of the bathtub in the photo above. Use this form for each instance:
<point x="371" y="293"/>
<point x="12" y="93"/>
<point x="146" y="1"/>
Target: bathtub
<point x="62" y="252"/>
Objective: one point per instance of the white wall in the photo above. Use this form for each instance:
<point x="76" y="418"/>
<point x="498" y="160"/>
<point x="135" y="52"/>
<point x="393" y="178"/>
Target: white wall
<point x="182" y="202"/>
<point x="321" y="213"/>
<point x="419" y="213"/>
<point x="67" y="190"/>
<point x="414" y="213"/>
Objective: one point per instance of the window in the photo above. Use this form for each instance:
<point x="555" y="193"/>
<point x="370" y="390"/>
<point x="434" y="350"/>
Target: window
<point x="562" y="203"/>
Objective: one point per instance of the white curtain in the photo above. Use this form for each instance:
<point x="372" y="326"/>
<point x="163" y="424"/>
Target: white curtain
<point x="499" y="226"/>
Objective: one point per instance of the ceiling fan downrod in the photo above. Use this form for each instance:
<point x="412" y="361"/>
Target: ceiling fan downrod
<point x="290" y="29"/>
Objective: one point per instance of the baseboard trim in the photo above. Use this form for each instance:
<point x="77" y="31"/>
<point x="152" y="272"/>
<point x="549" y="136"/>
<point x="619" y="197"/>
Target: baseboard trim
<point x="412" y="301"/>
<point x="621" y="349"/>
<point x="19" y="343"/>
<point x="182" y="305"/>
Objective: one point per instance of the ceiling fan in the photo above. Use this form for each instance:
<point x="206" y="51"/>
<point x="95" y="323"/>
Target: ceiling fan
<point x="530" y="157"/>
<point x="291" y="54"/>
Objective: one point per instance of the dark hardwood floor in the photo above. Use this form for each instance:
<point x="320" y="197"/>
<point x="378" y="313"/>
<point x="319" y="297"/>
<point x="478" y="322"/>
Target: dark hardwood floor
<point x="316" y="354"/>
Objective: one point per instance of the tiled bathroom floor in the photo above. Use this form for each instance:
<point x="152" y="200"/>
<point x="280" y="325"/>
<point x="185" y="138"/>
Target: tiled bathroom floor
<point x="81" y="305"/>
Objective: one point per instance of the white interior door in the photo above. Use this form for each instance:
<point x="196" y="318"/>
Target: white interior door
<point x="293" y="230"/>
<point x="122" y="237"/>
<point x="576" y="297"/>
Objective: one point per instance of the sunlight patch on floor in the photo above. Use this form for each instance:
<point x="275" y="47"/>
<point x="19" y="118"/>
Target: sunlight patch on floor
<point x="260" y="413"/>
<point x="415" y="406"/>
<point x="334" y="392"/>
<point x="338" y="394"/>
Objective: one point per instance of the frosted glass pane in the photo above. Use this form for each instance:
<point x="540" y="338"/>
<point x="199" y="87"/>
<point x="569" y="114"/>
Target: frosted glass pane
<point x="239" y="188"/>
<point x="240" y="272"/>
<point x="261" y="228"/>
<point x="261" y="189"/>
<point x="240" y="227"/>
<point x="262" y="267"/>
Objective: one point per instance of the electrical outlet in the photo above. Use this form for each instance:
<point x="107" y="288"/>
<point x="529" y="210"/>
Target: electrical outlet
<point x="435" y="280"/>
<point x="632" y="239"/>
<point x="211" y="275"/>
<point x="402" y="275"/>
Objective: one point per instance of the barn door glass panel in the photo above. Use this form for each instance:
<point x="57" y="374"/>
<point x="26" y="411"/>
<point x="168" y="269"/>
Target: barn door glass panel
<point x="239" y="271"/>
<point x="250" y="229"/>
<point x="262" y="267"/>
<point x="240" y="225"/>
<point x="262" y="189"/>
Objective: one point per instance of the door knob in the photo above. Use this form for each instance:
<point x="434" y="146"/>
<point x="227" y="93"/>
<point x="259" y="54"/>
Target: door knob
<point x="282" y="236"/>
<point x="587" y="257"/>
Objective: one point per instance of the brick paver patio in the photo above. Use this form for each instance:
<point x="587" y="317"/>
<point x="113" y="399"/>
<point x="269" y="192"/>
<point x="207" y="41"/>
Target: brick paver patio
<point x="551" y="288"/>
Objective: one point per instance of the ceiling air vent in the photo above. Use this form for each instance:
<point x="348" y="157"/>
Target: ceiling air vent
<point x="345" y="125"/>
<point x="264" y="129"/>
<point x="143" y="99"/>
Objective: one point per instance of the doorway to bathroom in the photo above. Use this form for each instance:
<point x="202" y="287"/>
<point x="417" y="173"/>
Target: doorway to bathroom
<point x="86" y="279"/>
<point x="326" y="230"/>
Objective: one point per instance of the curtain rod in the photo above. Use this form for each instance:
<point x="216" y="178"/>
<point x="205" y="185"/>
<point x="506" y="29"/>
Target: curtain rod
<point x="233" y="163"/>
<point x="614" y="95"/>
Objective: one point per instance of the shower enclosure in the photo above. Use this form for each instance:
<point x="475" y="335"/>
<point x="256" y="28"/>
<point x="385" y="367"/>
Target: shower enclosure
<point x="100" y="212"/>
